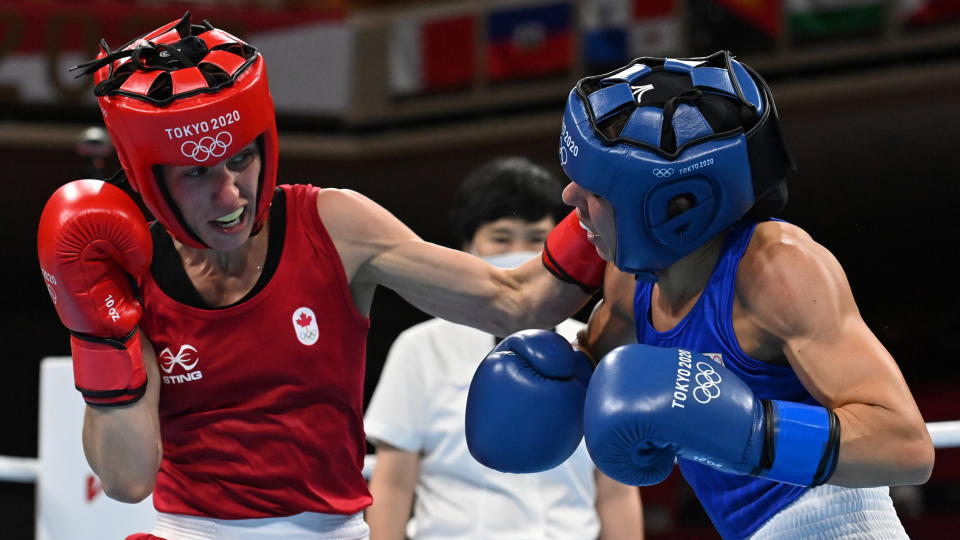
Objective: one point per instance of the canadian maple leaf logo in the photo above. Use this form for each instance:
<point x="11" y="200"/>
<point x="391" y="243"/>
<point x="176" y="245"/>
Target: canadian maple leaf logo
<point x="305" y="325"/>
<point x="304" y="320"/>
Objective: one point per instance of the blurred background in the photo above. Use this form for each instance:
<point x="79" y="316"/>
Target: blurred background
<point x="400" y="99"/>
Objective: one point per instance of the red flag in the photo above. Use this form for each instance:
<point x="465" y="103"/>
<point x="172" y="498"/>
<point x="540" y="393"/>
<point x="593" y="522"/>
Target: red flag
<point x="432" y="54"/>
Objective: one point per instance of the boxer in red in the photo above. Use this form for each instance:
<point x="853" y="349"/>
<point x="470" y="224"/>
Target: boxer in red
<point x="221" y="348"/>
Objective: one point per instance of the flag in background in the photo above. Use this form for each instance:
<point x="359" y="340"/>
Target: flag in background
<point x="656" y="28"/>
<point x="606" y="26"/>
<point x="616" y="31"/>
<point x="811" y="20"/>
<point x="530" y="41"/>
<point x="762" y="14"/>
<point x="737" y="25"/>
<point x="431" y="54"/>
<point x="929" y="12"/>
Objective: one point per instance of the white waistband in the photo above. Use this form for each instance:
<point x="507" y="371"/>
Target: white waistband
<point x="832" y="512"/>
<point x="304" y="526"/>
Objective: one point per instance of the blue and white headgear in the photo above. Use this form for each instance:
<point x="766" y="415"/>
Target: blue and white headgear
<point x="705" y="129"/>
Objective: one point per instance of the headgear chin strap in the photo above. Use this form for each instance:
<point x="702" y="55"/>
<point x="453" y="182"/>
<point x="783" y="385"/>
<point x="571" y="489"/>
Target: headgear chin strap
<point x="188" y="95"/>
<point x="657" y="129"/>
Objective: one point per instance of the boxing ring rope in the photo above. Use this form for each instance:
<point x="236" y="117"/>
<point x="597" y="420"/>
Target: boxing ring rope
<point x="19" y="469"/>
<point x="945" y="434"/>
<point x="25" y="470"/>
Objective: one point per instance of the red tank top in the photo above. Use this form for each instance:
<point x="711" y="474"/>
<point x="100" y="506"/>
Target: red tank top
<point x="261" y="402"/>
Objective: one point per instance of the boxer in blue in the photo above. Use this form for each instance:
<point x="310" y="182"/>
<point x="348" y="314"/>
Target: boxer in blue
<point x="731" y="343"/>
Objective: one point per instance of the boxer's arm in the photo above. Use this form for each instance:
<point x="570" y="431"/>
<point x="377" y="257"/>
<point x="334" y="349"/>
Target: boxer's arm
<point x="392" y="486"/>
<point x="122" y="443"/>
<point x="611" y="323"/>
<point x="377" y="249"/>
<point x="796" y="291"/>
<point x="619" y="509"/>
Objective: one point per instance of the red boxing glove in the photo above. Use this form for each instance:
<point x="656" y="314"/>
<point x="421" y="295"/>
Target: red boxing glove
<point x="92" y="242"/>
<point x="570" y="257"/>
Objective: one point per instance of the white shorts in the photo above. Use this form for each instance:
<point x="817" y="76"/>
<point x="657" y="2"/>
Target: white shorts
<point x="831" y="512"/>
<point x="305" y="526"/>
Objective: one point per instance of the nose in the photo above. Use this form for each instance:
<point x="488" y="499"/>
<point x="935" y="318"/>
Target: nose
<point x="572" y="194"/>
<point x="226" y="188"/>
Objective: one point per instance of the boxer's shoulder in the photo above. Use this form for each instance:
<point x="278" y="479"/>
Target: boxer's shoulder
<point x="333" y="203"/>
<point x="786" y="279"/>
<point x="777" y="252"/>
<point x="347" y="215"/>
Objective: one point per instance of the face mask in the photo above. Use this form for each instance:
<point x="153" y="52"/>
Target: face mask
<point x="512" y="259"/>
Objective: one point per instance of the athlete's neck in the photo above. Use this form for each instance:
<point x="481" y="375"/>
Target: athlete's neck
<point x="246" y="260"/>
<point x="681" y="283"/>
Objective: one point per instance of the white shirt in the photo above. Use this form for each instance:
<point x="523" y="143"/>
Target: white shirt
<point x="419" y="406"/>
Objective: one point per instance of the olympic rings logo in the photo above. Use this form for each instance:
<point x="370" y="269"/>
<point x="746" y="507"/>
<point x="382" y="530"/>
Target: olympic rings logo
<point x="708" y="383"/>
<point x="207" y="147"/>
<point x="663" y="173"/>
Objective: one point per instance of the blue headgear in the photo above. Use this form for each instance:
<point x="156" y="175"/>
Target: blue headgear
<point x="661" y="128"/>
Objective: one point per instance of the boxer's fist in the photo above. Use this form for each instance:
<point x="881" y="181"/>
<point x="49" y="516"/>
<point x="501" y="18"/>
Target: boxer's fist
<point x="646" y="405"/>
<point x="569" y="256"/>
<point x="92" y="243"/>
<point x="525" y="405"/>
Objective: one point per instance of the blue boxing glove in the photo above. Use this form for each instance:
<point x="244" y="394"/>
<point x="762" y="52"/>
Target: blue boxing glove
<point x="646" y="405"/>
<point x="525" y="405"/>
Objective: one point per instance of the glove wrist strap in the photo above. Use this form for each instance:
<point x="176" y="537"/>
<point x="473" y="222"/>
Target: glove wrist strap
<point x="108" y="372"/>
<point x="806" y="443"/>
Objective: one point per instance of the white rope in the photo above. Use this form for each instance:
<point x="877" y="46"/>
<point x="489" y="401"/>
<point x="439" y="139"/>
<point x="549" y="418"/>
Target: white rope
<point x="19" y="469"/>
<point x="25" y="470"/>
<point x="945" y="434"/>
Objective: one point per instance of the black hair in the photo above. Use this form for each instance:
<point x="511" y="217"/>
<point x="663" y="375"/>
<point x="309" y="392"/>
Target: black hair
<point x="509" y="186"/>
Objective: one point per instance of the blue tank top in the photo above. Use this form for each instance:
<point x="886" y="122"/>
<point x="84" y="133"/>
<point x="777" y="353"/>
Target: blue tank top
<point x="737" y="505"/>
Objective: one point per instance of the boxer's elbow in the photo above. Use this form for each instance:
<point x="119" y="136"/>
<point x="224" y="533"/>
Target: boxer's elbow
<point x="916" y="460"/>
<point x="886" y="449"/>
<point x="128" y="490"/>
<point x="909" y="456"/>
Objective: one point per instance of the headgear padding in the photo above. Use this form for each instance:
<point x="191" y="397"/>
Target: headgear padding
<point x="188" y="95"/>
<point x="661" y="128"/>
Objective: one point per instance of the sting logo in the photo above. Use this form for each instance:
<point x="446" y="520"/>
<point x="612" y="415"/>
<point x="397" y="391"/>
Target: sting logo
<point x="186" y="358"/>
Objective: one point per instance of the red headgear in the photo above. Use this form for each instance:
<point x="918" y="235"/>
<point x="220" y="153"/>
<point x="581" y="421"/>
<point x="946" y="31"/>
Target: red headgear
<point x="186" y="95"/>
